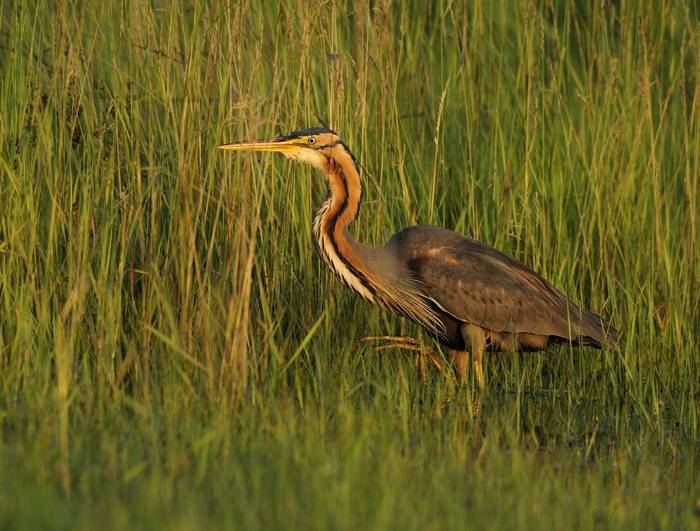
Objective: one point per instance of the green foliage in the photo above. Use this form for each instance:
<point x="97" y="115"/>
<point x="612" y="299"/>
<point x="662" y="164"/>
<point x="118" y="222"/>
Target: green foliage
<point x="172" y="351"/>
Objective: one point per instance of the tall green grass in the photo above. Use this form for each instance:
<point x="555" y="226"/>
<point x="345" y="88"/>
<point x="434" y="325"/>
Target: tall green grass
<point x="172" y="351"/>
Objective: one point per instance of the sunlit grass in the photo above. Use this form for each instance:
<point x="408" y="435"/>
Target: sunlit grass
<point x="174" y="353"/>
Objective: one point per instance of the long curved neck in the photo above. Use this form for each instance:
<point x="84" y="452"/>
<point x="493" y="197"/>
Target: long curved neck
<point x="342" y="204"/>
<point x="375" y="273"/>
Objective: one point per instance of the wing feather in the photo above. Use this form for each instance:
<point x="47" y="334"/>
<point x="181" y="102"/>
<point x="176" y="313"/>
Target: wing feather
<point x="476" y="283"/>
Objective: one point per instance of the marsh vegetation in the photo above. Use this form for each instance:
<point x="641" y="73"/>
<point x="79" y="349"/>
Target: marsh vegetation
<point x="173" y="351"/>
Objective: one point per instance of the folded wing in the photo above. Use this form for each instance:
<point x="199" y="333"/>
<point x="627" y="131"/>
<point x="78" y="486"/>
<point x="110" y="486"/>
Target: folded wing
<point x="477" y="284"/>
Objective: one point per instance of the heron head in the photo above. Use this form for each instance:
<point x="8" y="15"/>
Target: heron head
<point x="307" y="145"/>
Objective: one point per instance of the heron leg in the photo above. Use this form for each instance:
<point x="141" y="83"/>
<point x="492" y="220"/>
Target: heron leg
<point x="475" y="341"/>
<point x="460" y="361"/>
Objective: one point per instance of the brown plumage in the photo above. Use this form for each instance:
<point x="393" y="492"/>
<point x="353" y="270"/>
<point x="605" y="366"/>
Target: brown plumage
<point x="469" y="296"/>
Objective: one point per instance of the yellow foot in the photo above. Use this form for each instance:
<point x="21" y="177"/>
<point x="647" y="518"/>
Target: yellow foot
<point x="408" y="343"/>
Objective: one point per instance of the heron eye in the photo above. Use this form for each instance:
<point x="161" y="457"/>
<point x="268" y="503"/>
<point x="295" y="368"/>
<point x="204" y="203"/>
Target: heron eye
<point x="311" y="140"/>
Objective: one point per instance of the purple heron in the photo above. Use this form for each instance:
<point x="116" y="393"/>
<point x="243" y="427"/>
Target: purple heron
<point x="467" y="295"/>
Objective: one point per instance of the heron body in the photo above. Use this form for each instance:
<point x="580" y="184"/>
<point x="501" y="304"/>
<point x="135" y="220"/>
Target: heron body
<point x="467" y="295"/>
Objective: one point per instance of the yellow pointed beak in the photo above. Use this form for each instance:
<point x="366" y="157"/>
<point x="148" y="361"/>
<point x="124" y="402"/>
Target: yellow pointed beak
<point x="279" y="146"/>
